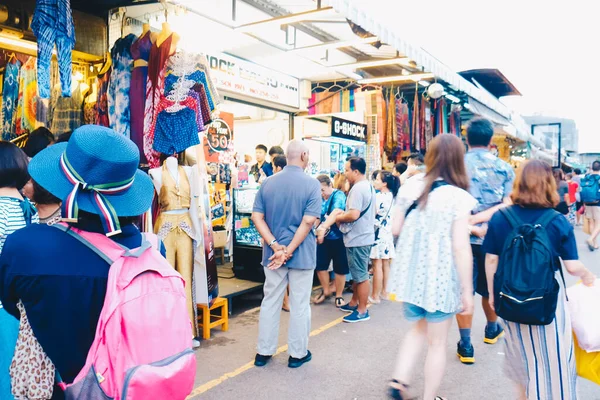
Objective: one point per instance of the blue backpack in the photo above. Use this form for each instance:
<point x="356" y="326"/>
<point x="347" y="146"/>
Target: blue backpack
<point x="525" y="289"/>
<point x="590" y="189"/>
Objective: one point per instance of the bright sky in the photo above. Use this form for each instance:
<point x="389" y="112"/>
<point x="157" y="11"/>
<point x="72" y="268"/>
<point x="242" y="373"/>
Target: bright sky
<point x="549" y="49"/>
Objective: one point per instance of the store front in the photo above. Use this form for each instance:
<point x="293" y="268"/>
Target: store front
<point x="331" y="140"/>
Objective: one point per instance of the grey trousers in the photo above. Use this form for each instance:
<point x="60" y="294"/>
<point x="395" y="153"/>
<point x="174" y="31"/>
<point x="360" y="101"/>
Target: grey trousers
<point x="300" y="281"/>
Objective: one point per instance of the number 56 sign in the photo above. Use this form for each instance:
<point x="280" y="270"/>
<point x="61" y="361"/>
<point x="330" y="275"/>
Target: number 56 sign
<point x="219" y="135"/>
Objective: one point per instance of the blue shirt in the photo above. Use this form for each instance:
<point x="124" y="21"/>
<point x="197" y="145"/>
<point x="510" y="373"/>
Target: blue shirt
<point x="284" y="199"/>
<point x="560" y="232"/>
<point x="491" y="181"/>
<point x="337" y="200"/>
<point x="62" y="284"/>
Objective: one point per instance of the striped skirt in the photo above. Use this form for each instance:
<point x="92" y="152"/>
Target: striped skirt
<point x="541" y="358"/>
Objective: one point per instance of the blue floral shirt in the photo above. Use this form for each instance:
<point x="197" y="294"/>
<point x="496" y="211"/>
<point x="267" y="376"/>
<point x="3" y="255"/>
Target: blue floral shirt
<point x="337" y="200"/>
<point x="491" y="181"/>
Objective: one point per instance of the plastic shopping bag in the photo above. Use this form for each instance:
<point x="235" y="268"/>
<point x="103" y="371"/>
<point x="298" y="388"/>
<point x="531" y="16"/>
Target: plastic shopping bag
<point x="588" y="364"/>
<point x="585" y="318"/>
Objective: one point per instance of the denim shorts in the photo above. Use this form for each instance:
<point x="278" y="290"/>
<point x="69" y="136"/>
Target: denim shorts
<point x="358" y="262"/>
<point x="415" y="313"/>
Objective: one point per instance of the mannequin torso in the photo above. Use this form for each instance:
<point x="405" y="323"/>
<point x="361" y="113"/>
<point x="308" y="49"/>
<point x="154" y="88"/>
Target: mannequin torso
<point x="173" y="169"/>
<point x="164" y="35"/>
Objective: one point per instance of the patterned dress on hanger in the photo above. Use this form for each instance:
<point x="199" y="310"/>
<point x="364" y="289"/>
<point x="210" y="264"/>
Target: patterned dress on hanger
<point x="10" y="93"/>
<point x="102" y="100"/>
<point x="140" y="50"/>
<point x="154" y="90"/>
<point x="118" y="87"/>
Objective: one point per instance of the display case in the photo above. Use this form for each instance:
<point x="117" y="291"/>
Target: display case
<point x="247" y="245"/>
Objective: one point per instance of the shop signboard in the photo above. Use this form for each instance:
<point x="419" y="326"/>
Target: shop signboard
<point x="349" y="130"/>
<point x="239" y="76"/>
<point x="218" y="138"/>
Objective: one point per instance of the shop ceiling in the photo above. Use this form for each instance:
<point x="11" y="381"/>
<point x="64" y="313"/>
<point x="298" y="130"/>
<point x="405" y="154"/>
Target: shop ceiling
<point x="301" y="37"/>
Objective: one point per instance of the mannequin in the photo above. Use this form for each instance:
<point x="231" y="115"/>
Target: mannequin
<point x="164" y="35"/>
<point x="174" y="225"/>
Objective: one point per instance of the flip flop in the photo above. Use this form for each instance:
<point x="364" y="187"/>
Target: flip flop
<point x="321" y="298"/>
<point x="339" y="302"/>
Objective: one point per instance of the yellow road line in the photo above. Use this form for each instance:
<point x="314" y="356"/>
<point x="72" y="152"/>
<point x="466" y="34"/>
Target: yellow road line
<point x="216" y="382"/>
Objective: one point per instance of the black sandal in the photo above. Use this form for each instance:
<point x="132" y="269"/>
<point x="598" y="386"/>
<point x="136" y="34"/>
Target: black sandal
<point x="339" y="302"/>
<point x="399" y="391"/>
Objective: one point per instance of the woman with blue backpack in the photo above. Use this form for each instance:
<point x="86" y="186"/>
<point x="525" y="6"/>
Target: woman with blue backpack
<point x="525" y="244"/>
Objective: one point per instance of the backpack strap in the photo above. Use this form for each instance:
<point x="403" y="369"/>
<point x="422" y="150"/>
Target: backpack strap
<point x="512" y="217"/>
<point x="547" y="217"/>
<point x="85" y="242"/>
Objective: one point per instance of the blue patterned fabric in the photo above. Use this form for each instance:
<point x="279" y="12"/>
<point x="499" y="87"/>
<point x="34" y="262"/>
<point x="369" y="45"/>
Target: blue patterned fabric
<point x="47" y="36"/>
<point x="491" y="181"/>
<point x="10" y="94"/>
<point x="119" y="113"/>
<point x="175" y="131"/>
<point x="53" y="24"/>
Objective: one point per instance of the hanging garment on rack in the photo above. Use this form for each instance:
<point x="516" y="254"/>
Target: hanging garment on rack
<point x="10" y="93"/>
<point x="140" y="51"/>
<point x="391" y="137"/>
<point x="27" y="105"/>
<point x="381" y="119"/>
<point x="416" y="142"/>
<point x="120" y="82"/>
<point x="188" y="69"/>
<point x="403" y="125"/>
<point x="102" y="100"/>
<point x="154" y="90"/>
<point x="53" y="24"/>
<point x="422" y="123"/>
<point x="313" y="100"/>
<point x="67" y="112"/>
<point x="203" y="105"/>
<point x="427" y="124"/>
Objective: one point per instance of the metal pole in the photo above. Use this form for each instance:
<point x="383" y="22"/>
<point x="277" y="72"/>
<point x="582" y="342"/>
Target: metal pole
<point x="233" y="10"/>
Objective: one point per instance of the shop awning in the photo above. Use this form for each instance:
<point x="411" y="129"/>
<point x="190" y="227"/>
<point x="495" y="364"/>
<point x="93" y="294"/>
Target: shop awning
<point x="358" y="12"/>
<point x="480" y="109"/>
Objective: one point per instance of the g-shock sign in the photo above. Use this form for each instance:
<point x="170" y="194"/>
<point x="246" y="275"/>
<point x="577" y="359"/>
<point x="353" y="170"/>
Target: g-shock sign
<point x="348" y="130"/>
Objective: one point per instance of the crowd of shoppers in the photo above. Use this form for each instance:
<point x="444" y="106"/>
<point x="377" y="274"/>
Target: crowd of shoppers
<point x="433" y="231"/>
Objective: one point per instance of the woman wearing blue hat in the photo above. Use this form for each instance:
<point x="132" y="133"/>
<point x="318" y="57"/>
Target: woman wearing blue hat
<point x="62" y="284"/>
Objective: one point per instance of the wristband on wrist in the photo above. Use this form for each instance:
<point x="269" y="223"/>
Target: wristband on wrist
<point x="272" y="242"/>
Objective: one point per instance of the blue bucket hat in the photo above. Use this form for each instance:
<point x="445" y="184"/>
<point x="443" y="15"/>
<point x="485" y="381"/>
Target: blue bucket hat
<point x="95" y="171"/>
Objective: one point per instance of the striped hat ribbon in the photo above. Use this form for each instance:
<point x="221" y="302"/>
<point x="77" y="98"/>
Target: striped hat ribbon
<point x="108" y="215"/>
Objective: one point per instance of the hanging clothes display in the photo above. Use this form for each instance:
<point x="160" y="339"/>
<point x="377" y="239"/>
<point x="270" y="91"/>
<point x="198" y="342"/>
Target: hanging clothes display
<point x="118" y="87"/>
<point x="27" y="104"/>
<point x="67" y="112"/>
<point x="403" y="124"/>
<point x="154" y="88"/>
<point x="416" y="127"/>
<point x="10" y="93"/>
<point x="391" y="137"/>
<point x="140" y="51"/>
<point x="178" y="115"/>
<point x="53" y="24"/>
<point x="455" y="122"/>
<point x="426" y="120"/>
<point x="102" y="100"/>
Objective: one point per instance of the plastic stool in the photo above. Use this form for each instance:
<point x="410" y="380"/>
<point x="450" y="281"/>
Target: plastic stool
<point x="207" y="320"/>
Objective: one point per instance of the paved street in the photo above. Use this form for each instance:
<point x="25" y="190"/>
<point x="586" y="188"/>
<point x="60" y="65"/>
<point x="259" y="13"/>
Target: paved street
<point x="349" y="361"/>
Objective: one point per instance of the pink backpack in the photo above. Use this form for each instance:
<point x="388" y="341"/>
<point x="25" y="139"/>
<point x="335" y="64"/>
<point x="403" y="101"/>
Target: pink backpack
<point x="143" y="343"/>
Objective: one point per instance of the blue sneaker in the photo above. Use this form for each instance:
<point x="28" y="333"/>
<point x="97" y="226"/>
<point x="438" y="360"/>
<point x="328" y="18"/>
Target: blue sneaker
<point x="465" y="354"/>
<point x="491" y="337"/>
<point x="356" y="317"/>
<point x="347" y="308"/>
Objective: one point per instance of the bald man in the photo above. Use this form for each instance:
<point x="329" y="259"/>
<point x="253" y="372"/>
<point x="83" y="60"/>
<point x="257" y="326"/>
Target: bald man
<point x="285" y="210"/>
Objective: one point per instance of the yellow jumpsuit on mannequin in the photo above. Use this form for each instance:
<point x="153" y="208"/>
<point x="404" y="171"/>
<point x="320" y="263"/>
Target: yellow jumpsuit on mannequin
<point x="176" y="230"/>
